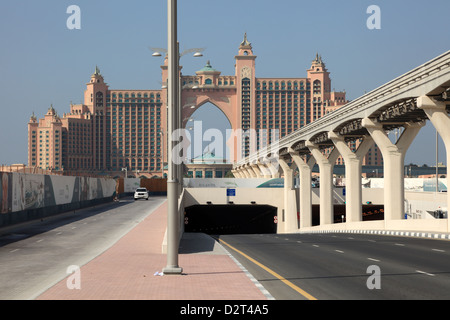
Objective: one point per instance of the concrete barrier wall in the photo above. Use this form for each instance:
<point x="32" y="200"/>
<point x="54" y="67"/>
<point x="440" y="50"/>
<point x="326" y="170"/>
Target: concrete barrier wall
<point x="418" y="203"/>
<point x="25" y="197"/>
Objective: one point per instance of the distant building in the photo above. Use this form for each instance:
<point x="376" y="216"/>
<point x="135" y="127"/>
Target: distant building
<point x="208" y="165"/>
<point x="115" y="129"/>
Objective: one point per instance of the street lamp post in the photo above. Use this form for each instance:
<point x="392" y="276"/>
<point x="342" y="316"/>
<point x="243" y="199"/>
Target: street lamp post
<point x="172" y="266"/>
<point x="173" y="123"/>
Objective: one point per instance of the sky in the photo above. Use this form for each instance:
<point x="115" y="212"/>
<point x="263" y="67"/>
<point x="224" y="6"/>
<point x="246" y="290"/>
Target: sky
<point x="43" y="62"/>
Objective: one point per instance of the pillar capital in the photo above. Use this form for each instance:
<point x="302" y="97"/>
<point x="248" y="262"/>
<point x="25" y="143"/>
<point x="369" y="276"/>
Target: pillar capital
<point x="426" y="102"/>
<point x="371" y="123"/>
<point x="310" y="144"/>
<point x="283" y="162"/>
<point x="334" y="136"/>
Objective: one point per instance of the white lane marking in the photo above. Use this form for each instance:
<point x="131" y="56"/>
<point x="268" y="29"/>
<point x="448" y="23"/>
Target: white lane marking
<point x="339" y="251"/>
<point x="438" y="250"/>
<point x="423" y="272"/>
<point x="14" y="250"/>
<point x="372" y="259"/>
<point x="40" y="240"/>
<point x="400" y="244"/>
<point x="315" y="245"/>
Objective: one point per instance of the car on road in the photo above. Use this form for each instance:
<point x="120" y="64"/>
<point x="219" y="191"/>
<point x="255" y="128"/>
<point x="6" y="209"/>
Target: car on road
<point x="141" y="193"/>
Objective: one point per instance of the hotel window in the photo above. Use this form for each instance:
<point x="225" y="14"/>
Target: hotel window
<point x="99" y="99"/>
<point x="219" y="174"/>
<point x="208" y="174"/>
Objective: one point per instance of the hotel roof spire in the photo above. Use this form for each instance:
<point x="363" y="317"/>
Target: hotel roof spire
<point x="245" y="43"/>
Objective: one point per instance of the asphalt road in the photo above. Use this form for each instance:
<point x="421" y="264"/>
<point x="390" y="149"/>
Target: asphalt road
<point x="345" y="266"/>
<point x="36" y="256"/>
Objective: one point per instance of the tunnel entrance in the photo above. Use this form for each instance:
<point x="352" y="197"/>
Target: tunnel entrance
<point x="231" y="219"/>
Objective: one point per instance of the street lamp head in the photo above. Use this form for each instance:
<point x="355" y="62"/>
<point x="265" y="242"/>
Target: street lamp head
<point x="198" y="54"/>
<point x="156" y="54"/>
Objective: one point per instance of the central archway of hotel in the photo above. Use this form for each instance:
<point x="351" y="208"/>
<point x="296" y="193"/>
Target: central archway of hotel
<point x="209" y="129"/>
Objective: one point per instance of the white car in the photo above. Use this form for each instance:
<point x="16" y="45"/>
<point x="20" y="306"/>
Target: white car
<point x="141" y="193"/>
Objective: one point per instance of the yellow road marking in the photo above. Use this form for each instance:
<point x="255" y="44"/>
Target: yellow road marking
<point x="287" y="282"/>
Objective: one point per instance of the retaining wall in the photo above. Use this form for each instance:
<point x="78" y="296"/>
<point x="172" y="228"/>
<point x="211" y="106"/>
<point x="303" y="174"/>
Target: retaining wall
<point x="25" y="197"/>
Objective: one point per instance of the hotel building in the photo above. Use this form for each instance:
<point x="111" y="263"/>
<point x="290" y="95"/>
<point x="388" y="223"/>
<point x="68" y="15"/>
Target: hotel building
<point x="114" y="129"/>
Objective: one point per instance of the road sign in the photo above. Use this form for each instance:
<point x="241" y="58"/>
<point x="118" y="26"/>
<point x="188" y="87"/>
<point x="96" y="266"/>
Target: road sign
<point x="231" y="192"/>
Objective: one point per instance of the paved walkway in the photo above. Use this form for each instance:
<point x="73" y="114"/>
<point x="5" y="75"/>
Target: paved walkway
<point x="126" y="271"/>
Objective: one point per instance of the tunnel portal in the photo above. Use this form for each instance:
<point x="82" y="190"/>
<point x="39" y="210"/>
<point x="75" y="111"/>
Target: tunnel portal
<point x="231" y="219"/>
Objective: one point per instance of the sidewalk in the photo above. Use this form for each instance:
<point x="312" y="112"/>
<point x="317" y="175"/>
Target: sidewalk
<point x="126" y="271"/>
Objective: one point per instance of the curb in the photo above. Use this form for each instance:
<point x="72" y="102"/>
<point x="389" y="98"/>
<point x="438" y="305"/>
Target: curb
<point x="419" y="234"/>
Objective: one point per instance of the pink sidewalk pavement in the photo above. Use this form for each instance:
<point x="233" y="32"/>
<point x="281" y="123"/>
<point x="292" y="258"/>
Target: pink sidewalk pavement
<point x="126" y="272"/>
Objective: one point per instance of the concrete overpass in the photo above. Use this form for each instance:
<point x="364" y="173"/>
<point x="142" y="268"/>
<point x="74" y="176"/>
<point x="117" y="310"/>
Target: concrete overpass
<point x="406" y="102"/>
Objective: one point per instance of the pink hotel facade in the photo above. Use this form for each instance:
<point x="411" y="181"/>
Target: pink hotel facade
<point x="114" y="129"/>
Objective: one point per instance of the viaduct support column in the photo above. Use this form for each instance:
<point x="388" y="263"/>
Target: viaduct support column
<point x="244" y="172"/>
<point x="305" y="201"/>
<point x="273" y="168"/>
<point x="250" y="171"/>
<point x="393" y="158"/>
<point x="256" y="170"/>
<point x="353" y="171"/>
<point x="326" y="166"/>
<point x="236" y="173"/>
<point x="290" y="207"/>
<point x="437" y="113"/>
<point x="264" y="170"/>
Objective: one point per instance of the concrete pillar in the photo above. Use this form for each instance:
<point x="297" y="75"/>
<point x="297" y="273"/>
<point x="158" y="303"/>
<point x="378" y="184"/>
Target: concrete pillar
<point x="353" y="172"/>
<point x="236" y="173"/>
<point x="305" y="199"/>
<point x="326" y="165"/>
<point x="265" y="172"/>
<point x="436" y="112"/>
<point x="250" y="171"/>
<point x="290" y="207"/>
<point x="244" y="172"/>
<point x="256" y="170"/>
<point x="393" y="158"/>
<point x="274" y="168"/>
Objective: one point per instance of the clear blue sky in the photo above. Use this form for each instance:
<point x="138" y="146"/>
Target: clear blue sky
<point x="42" y="62"/>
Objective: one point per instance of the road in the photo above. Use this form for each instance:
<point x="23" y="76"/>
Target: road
<point x="345" y="266"/>
<point x="36" y="256"/>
